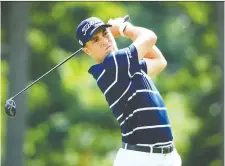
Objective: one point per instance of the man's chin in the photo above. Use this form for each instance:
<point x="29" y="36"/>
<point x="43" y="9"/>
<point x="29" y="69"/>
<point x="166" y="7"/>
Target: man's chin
<point x="109" y="50"/>
<point x="107" y="53"/>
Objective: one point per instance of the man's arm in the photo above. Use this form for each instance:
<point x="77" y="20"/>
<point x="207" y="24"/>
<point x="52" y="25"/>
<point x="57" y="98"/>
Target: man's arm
<point x="155" y="61"/>
<point x="144" y="41"/>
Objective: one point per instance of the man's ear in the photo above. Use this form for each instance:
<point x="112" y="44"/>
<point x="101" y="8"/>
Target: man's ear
<point x="86" y="50"/>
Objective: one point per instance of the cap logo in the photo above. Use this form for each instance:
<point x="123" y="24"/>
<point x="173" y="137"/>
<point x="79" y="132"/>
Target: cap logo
<point x="88" y="25"/>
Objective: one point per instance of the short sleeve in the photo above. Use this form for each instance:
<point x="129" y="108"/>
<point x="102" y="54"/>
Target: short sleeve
<point x="143" y="65"/>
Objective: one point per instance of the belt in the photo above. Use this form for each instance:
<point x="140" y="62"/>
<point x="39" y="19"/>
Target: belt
<point x="163" y="150"/>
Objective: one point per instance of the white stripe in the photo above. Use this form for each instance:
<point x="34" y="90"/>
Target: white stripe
<point x="120" y="96"/>
<point x="101" y="75"/>
<point x="142" y="90"/>
<point x="147" y="76"/>
<point x="144" y="127"/>
<point x="142" y="109"/>
<point x="125" y="146"/>
<point x="143" y="72"/>
<point x="116" y="74"/>
<point x="125" y="119"/>
<point x="119" y="117"/>
<point x="135" y="74"/>
<point x="158" y="143"/>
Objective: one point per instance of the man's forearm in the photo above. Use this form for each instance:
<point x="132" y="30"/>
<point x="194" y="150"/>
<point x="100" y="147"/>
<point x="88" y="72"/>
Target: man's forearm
<point x="143" y="39"/>
<point x="132" y="32"/>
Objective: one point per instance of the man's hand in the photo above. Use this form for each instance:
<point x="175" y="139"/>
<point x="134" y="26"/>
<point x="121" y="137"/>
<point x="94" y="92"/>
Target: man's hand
<point x="116" y="24"/>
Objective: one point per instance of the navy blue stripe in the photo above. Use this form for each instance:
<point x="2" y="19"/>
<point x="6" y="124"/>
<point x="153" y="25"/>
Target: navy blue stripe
<point x="149" y="136"/>
<point x="145" y="99"/>
<point x="116" y="92"/>
<point x="151" y="118"/>
<point x="119" y="109"/>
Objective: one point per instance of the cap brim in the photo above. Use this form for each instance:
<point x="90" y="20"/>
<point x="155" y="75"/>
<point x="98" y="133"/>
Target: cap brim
<point x="94" y="30"/>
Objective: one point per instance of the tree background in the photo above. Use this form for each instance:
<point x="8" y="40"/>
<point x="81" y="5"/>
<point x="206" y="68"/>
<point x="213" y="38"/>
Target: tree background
<point x="63" y="120"/>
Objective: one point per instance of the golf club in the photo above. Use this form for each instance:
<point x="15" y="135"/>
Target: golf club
<point x="10" y="105"/>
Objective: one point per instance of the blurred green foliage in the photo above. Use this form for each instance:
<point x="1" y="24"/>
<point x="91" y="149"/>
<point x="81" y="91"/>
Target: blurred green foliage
<point x="69" y="122"/>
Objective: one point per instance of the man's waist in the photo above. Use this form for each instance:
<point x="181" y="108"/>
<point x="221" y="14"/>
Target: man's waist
<point x="149" y="149"/>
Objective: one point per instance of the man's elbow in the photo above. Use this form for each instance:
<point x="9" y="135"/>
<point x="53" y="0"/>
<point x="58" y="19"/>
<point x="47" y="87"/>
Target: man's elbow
<point x="152" y="38"/>
<point x="162" y="64"/>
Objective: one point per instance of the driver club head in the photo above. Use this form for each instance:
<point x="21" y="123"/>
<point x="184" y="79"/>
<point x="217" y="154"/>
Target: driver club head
<point x="10" y="108"/>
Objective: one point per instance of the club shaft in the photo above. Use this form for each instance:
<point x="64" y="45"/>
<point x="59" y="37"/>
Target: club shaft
<point x="126" y="18"/>
<point x="46" y="73"/>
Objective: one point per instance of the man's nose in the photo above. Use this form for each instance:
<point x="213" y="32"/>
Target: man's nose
<point x="104" y="41"/>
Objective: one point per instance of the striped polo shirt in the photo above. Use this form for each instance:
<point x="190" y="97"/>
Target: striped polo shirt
<point x="133" y="98"/>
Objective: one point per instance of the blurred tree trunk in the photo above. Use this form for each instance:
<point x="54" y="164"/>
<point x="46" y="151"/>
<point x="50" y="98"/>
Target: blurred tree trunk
<point x="18" y="69"/>
<point x="220" y="21"/>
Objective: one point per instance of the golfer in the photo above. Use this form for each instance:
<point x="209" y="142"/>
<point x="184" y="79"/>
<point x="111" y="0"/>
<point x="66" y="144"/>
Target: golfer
<point x="124" y="77"/>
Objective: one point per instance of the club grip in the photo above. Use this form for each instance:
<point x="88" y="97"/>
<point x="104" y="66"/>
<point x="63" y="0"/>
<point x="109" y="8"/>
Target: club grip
<point x="126" y="18"/>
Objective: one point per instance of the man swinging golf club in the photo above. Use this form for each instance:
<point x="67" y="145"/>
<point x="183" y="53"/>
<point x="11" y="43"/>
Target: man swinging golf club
<point x="123" y="76"/>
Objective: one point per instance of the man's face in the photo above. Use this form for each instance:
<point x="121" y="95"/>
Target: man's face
<point x="100" y="45"/>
